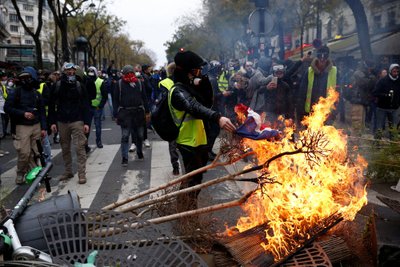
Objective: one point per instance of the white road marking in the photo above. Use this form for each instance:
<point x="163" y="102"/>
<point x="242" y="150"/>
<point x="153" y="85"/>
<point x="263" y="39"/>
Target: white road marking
<point x="161" y="168"/>
<point x="97" y="166"/>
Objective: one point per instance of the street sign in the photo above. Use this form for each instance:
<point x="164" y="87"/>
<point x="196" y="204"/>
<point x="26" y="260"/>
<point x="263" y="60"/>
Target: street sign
<point x="261" y="21"/>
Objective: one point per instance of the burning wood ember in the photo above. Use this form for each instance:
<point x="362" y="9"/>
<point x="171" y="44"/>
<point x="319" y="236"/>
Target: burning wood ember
<point x="314" y="180"/>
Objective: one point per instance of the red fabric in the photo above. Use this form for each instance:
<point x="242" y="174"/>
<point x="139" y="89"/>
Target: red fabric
<point x="130" y="78"/>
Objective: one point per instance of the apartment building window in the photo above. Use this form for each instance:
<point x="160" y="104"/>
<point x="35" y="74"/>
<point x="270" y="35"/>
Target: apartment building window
<point x="14" y="18"/>
<point x="13" y="28"/>
<point x="27" y="7"/>
<point x="391" y="18"/>
<point x="29" y="19"/>
<point x="28" y="42"/>
<point x="378" y="22"/>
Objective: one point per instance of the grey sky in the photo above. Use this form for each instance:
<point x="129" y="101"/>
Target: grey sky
<point x="153" y="21"/>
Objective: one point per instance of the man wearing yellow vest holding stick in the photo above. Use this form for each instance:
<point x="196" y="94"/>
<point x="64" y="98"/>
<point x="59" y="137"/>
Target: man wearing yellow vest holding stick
<point x="315" y="82"/>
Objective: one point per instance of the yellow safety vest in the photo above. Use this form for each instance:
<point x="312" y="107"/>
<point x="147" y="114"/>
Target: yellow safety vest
<point x="223" y="83"/>
<point x="191" y="132"/>
<point x="4" y="91"/>
<point x="167" y="83"/>
<point x="330" y="83"/>
<point x="97" y="100"/>
<point x="40" y="91"/>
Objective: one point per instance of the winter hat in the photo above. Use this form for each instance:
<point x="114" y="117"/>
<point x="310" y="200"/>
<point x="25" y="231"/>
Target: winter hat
<point x="323" y="51"/>
<point x="127" y="69"/>
<point x="29" y="71"/>
<point x="264" y="63"/>
<point x="188" y="60"/>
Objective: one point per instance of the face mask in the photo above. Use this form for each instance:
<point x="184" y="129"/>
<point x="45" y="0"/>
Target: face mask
<point x="10" y="84"/>
<point x="71" y="79"/>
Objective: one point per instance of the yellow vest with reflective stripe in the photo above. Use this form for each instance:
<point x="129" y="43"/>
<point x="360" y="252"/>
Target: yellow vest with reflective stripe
<point x="97" y="100"/>
<point x="223" y="83"/>
<point x="191" y="132"/>
<point x="330" y="83"/>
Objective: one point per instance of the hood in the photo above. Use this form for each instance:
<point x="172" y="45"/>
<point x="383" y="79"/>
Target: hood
<point x="92" y="69"/>
<point x="32" y="72"/>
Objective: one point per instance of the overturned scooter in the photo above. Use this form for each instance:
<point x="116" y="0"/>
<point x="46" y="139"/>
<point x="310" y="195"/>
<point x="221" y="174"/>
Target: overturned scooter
<point x="11" y="247"/>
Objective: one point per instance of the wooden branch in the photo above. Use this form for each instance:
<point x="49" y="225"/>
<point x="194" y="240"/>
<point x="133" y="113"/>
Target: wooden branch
<point x="199" y="211"/>
<point x="214" y="164"/>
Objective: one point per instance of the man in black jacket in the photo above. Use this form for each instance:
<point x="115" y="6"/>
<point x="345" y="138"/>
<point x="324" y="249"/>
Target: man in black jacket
<point x="131" y="111"/>
<point x="27" y="113"/>
<point x="387" y="91"/>
<point x="69" y="115"/>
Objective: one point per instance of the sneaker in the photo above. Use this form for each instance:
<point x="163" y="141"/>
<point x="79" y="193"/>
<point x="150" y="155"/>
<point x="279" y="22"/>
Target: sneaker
<point x="132" y="148"/>
<point x="175" y="171"/>
<point x="146" y="143"/>
<point x="66" y="176"/>
<point x="82" y="180"/>
<point x="20" y="179"/>
<point x="124" y="162"/>
<point x="99" y="145"/>
<point x="3" y="152"/>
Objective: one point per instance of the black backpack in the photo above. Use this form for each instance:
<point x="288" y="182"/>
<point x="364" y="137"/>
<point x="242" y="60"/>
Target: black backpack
<point x="162" y="120"/>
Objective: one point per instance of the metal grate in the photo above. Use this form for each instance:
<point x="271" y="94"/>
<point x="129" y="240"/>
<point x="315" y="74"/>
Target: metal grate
<point x="119" y="239"/>
<point x="310" y="256"/>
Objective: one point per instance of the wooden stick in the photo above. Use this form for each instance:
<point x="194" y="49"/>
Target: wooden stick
<point x="198" y="211"/>
<point x="112" y="230"/>
<point x="214" y="164"/>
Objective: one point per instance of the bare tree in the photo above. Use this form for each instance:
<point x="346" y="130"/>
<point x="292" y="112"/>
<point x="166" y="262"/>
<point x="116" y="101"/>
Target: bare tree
<point x="61" y="12"/>
<point x="35" y="35"/>
<point x="362" y="27"/>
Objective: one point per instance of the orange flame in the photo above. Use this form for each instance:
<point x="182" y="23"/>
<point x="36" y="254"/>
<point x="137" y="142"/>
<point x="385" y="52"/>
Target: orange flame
<point x="304" y="193"/>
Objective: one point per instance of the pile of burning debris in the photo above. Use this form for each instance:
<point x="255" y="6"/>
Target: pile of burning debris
<point x="307" y="182"/>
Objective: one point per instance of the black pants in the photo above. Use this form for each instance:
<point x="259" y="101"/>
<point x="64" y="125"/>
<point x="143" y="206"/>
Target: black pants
<point x="193" y="159"/>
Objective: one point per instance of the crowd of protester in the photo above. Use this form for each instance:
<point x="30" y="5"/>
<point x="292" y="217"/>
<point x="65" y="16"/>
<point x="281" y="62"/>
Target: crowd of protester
<point x="40" y="103"/>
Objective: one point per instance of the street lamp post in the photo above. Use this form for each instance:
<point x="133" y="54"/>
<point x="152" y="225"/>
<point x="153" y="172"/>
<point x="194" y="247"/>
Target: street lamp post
<point x="81" y="44"/>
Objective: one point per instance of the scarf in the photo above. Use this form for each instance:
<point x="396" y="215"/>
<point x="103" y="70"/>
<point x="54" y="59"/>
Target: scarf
<point x="130" y="78"/>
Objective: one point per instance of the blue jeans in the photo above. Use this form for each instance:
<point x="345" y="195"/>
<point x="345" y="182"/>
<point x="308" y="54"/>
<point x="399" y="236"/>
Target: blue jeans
<point x="126" y="132"/>
<point x="110" y="106"/>
<point x="97" y="114"/>
<point x="392" y="115"/>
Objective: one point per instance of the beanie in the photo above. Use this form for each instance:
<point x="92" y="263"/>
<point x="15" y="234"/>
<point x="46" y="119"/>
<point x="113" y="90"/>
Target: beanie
<point x="188" y="60"/>
<point x="127" y="69"/>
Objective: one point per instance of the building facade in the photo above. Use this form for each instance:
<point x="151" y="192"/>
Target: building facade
<point x="19" y="46"/>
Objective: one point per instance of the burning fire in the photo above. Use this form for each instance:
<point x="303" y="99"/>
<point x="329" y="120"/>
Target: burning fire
<point x="304" y="192"/>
